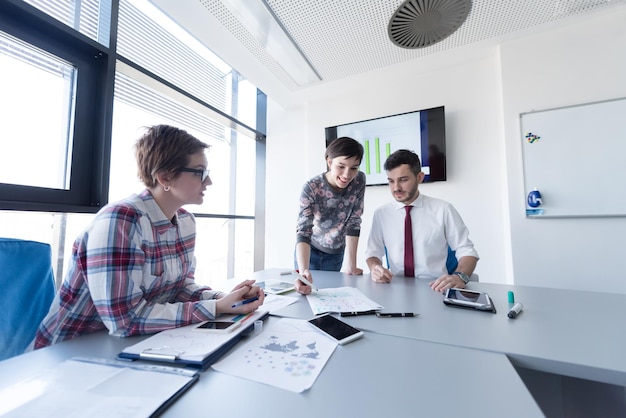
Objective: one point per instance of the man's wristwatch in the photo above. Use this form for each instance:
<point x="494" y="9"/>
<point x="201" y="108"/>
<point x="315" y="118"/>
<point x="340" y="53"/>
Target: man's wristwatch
<point x="463" y="276"/>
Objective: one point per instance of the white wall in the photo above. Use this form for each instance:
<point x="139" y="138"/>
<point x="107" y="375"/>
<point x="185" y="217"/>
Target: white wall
<point x="581" y="63"/>
<point x="470" y="90"/>
<point x="484" y="88"/>
<point x="286" y="167"/>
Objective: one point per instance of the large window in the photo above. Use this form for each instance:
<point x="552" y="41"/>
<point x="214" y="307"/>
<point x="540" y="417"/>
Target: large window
<point x="76" y="94"/>
<point x="37" y="93"/>
<point x="153" y="73"/>
<point x="91" y="18"/>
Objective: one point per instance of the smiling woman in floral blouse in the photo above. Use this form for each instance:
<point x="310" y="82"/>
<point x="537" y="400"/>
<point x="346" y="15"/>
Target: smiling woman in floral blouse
<point x="331" y="206"/>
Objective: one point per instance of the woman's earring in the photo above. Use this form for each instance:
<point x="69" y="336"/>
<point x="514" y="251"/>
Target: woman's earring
<point x="166" y="188"/>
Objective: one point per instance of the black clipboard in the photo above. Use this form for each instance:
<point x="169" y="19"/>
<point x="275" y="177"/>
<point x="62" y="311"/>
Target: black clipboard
<point x="193" y="377"/>
<point x="159" y="411"/>
<point x="153" y="349"/>
<point x="79" y="374"/>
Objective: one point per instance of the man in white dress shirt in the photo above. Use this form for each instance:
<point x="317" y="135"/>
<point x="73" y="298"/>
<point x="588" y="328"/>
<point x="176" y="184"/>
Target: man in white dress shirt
<point x="436" y="227"/>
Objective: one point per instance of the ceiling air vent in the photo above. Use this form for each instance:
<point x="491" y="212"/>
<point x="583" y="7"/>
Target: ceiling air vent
<point x="422" y="23"/>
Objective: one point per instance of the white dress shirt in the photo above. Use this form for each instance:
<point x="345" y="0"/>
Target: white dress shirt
<point x="436" y="225"/>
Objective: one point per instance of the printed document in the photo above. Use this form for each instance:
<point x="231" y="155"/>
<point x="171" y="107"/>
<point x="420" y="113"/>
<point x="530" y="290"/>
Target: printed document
<point x="340" y="299"/>
<point x="288" y="354"/>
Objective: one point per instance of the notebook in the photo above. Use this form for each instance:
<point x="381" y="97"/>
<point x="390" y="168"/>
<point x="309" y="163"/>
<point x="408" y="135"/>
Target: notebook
<point x="190" y="346"/>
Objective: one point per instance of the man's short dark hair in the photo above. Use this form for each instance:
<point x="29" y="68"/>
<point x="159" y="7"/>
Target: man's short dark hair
<point x="403" y="156"/>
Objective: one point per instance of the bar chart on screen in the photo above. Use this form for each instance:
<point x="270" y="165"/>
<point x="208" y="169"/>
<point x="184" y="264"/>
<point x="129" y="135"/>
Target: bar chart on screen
<point x="422" y="132"/>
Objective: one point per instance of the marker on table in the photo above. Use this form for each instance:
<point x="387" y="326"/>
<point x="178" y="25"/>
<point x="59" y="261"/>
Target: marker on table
<point x="244" y="302"/>
<point x="395" y="314"/>
<point x="511" y="296"/>
<point x="515" y="310"/>
<point x="305" y="281"/>
<point x="371" y="312"/>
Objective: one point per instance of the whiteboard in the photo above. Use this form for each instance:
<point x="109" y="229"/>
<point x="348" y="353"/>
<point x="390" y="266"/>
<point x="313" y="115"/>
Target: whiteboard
<point x="575" y="157"/>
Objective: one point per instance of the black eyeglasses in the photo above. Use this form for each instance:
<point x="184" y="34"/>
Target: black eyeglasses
<point x="203" y="174"/>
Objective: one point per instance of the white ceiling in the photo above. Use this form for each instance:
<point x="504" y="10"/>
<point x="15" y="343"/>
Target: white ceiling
<point x="343" y="38"/>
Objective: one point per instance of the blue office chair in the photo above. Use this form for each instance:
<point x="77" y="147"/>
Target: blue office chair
<point x="451" y="262"/>
<point x="26" y="292"/>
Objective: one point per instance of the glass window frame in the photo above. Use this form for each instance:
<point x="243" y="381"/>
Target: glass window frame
<point x="91" y="120"/>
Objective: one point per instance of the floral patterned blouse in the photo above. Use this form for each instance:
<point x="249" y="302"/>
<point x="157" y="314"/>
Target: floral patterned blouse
<point x="327" y="216"/>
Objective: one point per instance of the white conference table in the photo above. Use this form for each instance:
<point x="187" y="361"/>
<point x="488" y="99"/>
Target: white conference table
<point x="378" y="375"/>
<point x="375" y="376"/>
<point x="445" y="362"/>
<point x="567" y="332"/>
<point x="568" y="344"/>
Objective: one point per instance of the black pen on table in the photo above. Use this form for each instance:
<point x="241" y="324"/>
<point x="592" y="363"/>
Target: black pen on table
<point x="395" y="314"/>
<point x="370" y="312"/>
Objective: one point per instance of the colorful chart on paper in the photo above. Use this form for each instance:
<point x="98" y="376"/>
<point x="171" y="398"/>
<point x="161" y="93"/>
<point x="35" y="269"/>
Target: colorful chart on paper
<point x="340" y="299"/>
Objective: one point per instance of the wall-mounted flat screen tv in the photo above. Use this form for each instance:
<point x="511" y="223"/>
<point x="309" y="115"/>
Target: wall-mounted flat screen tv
<point x="421" y="131"/>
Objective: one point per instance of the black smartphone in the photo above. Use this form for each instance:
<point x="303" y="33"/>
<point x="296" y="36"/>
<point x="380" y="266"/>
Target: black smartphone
<point x="336" y="329"/>
<point x="218" y="326"/>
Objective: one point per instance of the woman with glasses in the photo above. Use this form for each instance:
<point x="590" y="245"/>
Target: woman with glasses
<point x="132" y="269"/>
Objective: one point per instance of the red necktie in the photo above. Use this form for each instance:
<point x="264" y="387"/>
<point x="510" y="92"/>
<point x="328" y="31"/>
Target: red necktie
<point x="409" y="268"/>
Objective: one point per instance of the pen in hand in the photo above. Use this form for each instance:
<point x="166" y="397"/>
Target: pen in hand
<point x="244" y="302"/>
<point x="305" y="281"/>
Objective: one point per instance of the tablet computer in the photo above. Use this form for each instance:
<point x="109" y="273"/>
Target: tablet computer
<point x="466" y="298"/>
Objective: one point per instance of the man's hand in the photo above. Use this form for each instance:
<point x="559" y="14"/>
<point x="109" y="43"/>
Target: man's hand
<point x="447" y="281"/>
<point x="380" y="274"/>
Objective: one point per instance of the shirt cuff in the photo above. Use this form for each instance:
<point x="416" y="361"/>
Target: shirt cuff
<point x="212" y="294"/>
<point x="208" y="307"/>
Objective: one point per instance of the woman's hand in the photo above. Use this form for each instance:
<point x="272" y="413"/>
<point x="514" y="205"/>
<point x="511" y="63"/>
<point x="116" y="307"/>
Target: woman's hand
<point x="301" y="287"/>
<point x="241" y="292"/>
<point x="355" y="271"/>
<point x="248" y="284"/>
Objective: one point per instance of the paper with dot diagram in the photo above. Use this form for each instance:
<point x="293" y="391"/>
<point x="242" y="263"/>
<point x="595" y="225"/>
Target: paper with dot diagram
<point x="288" y="354"/>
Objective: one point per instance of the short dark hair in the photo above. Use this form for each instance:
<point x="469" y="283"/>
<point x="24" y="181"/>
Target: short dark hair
<point x="164" y="148"/>
<point x="344" y="147"/>
<point x="404" y="156"/>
